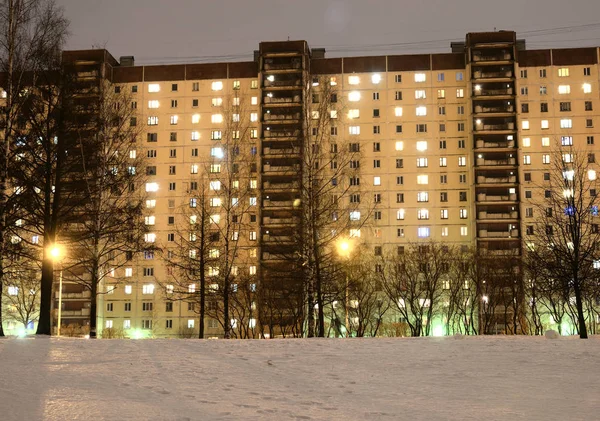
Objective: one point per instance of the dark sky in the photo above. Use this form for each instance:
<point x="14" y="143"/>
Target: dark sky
<point x="157" y="31"/>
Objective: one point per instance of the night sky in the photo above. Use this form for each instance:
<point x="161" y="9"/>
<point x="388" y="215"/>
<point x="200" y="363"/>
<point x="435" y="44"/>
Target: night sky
<point x="158" y="31"/>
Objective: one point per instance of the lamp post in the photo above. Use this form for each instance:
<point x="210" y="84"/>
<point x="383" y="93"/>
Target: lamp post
<point x="344" y="248"/>
<point x="56" y="254"/>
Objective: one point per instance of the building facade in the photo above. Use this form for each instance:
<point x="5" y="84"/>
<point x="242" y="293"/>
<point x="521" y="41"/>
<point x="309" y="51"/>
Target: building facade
<point x="452" y="147"/>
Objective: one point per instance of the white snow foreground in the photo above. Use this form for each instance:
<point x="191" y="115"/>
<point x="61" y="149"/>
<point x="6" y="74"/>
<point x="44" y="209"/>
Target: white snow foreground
<point x="487" y="378"/>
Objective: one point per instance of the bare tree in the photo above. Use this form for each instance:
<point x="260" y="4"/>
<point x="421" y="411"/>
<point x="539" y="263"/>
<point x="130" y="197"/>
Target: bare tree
<point x="32" y="33"/>
<point x="367" y="303"/>
<point x="22" y="296"/>
<point x="111" y="228"/>
<point x="413" y="280"/>
<point x="565" y="234"/>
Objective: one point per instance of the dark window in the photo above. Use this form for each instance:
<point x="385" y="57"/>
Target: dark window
<point x="399" y="163"/>
<point x="588" y="106"/>
<point x="376" y="112"/>
<point x="462" y="196"/>
<point x="524" y="108"/>
<point x="544" y="107"/>
<point x="527" y="176"/>
<point x="152" y="137"/>
<point x="443" y="196"/>
<point x="399" y="128"/>
<point x="528" y="194"/>
<point x="565" y="106"/>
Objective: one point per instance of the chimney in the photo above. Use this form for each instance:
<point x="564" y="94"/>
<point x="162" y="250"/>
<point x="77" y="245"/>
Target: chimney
<point x="127" y="61"/>
<point x="318" y="53"/>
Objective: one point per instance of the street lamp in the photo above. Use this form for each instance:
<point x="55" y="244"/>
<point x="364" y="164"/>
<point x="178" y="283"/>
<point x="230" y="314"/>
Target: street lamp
<point x="344" y="249"/>
<point x="56" y="255"/>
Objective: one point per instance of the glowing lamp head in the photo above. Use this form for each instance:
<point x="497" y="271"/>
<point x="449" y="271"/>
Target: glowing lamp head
<point x="55" y="253"/>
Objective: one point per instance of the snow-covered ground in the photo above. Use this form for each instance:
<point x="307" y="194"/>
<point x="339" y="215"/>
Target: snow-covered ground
<point x="491" y="378"/>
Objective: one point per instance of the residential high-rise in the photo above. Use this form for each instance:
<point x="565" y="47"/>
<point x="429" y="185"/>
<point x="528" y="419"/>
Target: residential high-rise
<point x="451" y="147"/>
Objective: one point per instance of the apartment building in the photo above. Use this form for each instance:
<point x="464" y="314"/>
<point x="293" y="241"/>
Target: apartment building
<point x="453" y="148"/>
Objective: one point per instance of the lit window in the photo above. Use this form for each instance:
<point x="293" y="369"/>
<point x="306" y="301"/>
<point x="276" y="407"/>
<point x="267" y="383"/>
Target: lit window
<point x="174" y="119"/>
<point x="376" y="78"/>
<point x="254" y="100"/>
<point x="154" y="87"/>
<point x="216" y="152"/>
<point x="253" y="117"/>
<point x="566" y="123"/>
<point x="151" y="187"/>
<point x="194" y="169"/>
<point x="152" y="121"/>
<point x="545" y="124"/>
<point x="150" y="220"/>
<point x="460" y="93"/>
<point x="564" y="89"/>
<point x="423" y="179"/>
<point x="591" y="175"/>
<point x="196" y="118"/>
<point x="217" y="86"/>
<point x="150" y="238"/>
<point x="545" y="141"/>
<point x="399" y="145"/>
<point x="313" y="115"/>
<point x="526" y="142"/>
<point x="148" y="289"/>
<point x="215" y="185"/>
<point x="587" y="88"/>
<point x="215" y="219"/>
<point x="464" y="231"/>
<point x="377" y="181"/>
<point x="398" y="111"/>
<point x="444" y="231"/>
<point x="333" y="81"/>
<point x="151" y="203"/>
<point x="566" y="140"/>
<point x="527" y="159"/>
<point x="546" y="159"/>
<point x="423" y="232"/>
<point x="525" y="125"/>
<point x="333" y="113"/>
<point x="354" y="129"/>
<point x="420" y="77"/>
<point x="216" y="102"/>
<point x="128" y="289"/>
<point x="567" y="157"/>
<point x="420" y="94"/>
<point x="13" y="290"/>
<point x="355" y="216"/>
<point x="354" y="233"/>
<point x="153" y="103"/>
<point x="421" y="111"/>
<point x="400" y="214"/>
<point x="109" y="324"/>
<point x="567" y="193"/>
<point x="422" y="145"/>
<point x="236" y="101"/>
<point x="354" y="96"/>
<point x="353" y="80"/>
<point x="422" y="196"/>
<point x="353" y="114"/>
<point x="132" y="154"/>
<point x="568" y="175"/>
<point x="216" y="118"/>
<point x="423" y="214"/>
<point x="563" y="72"/>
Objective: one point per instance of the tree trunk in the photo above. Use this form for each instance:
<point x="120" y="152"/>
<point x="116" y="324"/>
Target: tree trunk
<point x="93" y="306"/>
<point x="580" y="316"/>
<point x="310" y="315"/>
<point x="44" y="322"/>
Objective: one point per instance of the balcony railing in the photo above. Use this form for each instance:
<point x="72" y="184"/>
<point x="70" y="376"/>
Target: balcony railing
<point x="76" y="313"/>
<point x="269" y="220"/>
<point x="481" y="179"/>
<point x="482" y="109"/>
<point x="498" y="215"/>
<point x="478" y="74"/>
<point x="486" y="144"/>
<point x="481" y="162"/>
<point x="295" y="64"/>
<point x="492" y="57"/>
<point x="269" y="238"/>
<point x="483" y="197"/>
<point x="268" y="185"/>
<point x="492" y="92"/>
<point x="280" y="151"/>
<point x="280" y="168"/>
<point x="494" y="127"/>
<point x="282" y="83"/>
<point x="283" y="100"/>
<point x="280" y="117"/>
<point x="74" y="295"/>
<point x="281" y="133"/>
<point x="514" y="233"/>
<point x="278" y="204"/>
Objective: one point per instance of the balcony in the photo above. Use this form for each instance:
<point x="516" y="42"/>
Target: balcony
<point x="482" y="144"/>
<point x="483" y="197"/>
<point x="85" y="295"/>
<point x="270" y="64"/>
<point x="482" y="179"/>
<point x="278" y="204"/>
<point x="280" y="152"/>
<point x="513" y="233"/>
<point x="477" y="93"/>
<point x="482" y="127"/>
<point x="84" y="312"/>
<point x="491" y="109"/>
<point x="274" y="221"/>
<point x="284" y="83"/>
<point x="479" y="57"/>
<point x="282" y="101"/>
<point x="277" y="239"/>
<point x="487" y="216"/>
<point x="280" y="169"/>
<point x="284" y="118"/>
<point x="504" y="74"/>
<point x="481" y="162"/>
<point x="270" y="186"/>
<point x="281" y="134"/>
